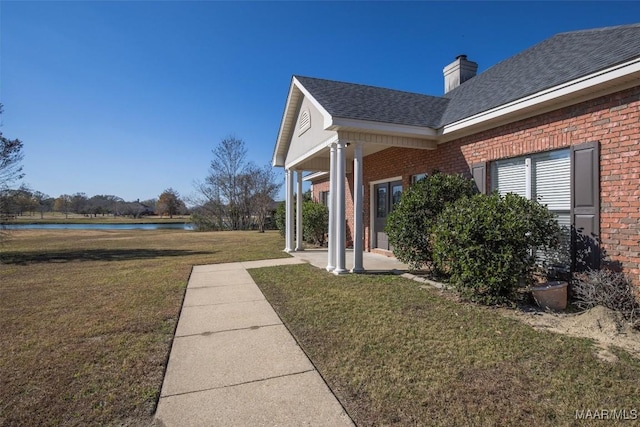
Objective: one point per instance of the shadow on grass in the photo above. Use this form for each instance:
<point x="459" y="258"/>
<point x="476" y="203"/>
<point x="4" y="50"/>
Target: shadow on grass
<point x="24" y="258"/>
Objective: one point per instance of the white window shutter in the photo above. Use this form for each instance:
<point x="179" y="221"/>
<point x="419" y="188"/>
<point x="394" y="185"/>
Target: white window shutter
<point x="552" y="180"/>
<point x="510" y="176"/>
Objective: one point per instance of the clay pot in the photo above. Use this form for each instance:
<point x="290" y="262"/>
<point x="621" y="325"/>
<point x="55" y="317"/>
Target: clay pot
<point x="551" y="295"/>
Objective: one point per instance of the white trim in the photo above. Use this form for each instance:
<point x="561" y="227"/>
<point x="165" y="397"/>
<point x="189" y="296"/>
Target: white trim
<point x="325" y="114"/>
<point x="527" y="177"/>
<point x="321" y="146"/>
<point x="381" y="181"/>
<point x="315" y="176"/>
<point x="562" y="90"/>
<point x="390" y="128"/>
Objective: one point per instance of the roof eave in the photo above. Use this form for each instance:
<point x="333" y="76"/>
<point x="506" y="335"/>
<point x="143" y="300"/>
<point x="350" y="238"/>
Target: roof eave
<point x="340" y="123"/>
<point x="294" y="99"/>
<point x="614" y="78"/>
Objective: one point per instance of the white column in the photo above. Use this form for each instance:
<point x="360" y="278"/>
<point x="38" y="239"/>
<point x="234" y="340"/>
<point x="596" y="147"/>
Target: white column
<point x="340" y="217"/>
<point x="299" y="246"/>
<point x="331" y="261"/>
<point x="289" y="211"/>
<point x="358" y="224"/>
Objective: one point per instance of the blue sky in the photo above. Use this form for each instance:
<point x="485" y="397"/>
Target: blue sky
<point x="130" y="97"/>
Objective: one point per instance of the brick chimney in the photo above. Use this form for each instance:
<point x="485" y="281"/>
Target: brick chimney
<point x="458" y="72"/>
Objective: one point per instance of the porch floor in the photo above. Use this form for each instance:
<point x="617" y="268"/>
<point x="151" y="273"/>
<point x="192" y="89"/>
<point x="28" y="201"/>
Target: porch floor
<point x="372" y="263"/>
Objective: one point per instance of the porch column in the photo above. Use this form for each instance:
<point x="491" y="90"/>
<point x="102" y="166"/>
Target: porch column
<point x="299" y="246"/>
<point x="289" y="211"/>
<point x="340" y="214"/>
<point x="357" y="209"/>
<point x="331" y="261"/>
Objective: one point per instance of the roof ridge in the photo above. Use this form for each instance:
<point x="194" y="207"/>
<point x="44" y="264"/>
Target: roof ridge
<point x="370" y="86"/>
<point x="598" y="29"/>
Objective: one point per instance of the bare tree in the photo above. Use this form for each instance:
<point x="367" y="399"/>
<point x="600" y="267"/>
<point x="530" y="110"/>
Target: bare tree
<point x="236" y="194"/>
<point x="265" y="188"/>
<point x="10" y="172"/>
<point x="223" y="184"/>
<point x="10" y="157"/>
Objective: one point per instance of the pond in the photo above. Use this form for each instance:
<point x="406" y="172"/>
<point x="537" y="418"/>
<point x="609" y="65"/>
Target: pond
<point x="146" y="226"/>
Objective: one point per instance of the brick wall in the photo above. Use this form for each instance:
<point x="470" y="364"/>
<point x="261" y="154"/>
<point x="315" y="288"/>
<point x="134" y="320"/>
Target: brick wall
<point x="613" y="120"/>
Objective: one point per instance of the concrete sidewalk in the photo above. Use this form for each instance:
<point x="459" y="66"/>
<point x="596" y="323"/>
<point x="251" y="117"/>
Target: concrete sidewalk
<point x="233" y="362"/>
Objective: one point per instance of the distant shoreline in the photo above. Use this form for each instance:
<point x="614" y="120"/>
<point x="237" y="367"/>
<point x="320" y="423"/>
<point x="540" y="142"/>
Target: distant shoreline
<point x="107" y="219"/>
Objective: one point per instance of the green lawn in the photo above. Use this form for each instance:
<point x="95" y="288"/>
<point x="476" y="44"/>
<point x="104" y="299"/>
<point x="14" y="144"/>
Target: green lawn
<point x="87" y="318"/>
<point x="397" y="354"/>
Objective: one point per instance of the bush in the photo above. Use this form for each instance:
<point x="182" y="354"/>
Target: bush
<point x="281" y="218"/>
<point x="203" y="220"/>
<point x="487" y="243"/>
<point x="315" y="221"/>
<point x="609" y="289"/>
<point x="409" y="224"/>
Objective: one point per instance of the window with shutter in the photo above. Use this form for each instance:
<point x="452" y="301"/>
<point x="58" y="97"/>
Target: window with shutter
<point x="545" y="177"/>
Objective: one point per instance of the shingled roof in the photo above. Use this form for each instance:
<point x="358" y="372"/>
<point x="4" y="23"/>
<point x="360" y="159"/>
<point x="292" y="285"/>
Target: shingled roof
<point x="557" y="60"/>
<point x="354" y="101"/>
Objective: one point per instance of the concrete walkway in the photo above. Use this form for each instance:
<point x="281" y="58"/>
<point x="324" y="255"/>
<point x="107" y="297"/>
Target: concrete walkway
<point x="234" y="363"/>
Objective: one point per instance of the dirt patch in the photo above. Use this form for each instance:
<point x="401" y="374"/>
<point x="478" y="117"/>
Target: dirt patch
<point x="604" y="326"/>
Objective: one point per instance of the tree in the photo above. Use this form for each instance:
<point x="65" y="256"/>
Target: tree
<point x="237" y="193"/>
<point x="79" y="203"/>
<point x="44" y="202"/>
<point x="169" y="203"/>
<point x="10" y="157"/>
<point x="10" y="172"/>
<point x="264" y="189"/>
<point x="226" y="176"/>
<point x="63" y="204"/>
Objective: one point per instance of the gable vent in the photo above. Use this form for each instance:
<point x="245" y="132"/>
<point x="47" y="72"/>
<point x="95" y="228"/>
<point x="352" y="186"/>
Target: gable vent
<point x="305" y="122"/>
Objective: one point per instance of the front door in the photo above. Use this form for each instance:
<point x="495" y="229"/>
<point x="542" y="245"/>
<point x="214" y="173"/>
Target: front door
<point x="386" y="196"/>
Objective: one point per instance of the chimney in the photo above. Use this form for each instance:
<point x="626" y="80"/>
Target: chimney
<point x="458" y="72"/>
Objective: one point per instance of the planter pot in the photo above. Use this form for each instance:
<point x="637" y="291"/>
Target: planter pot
<point x="551" y="295"/>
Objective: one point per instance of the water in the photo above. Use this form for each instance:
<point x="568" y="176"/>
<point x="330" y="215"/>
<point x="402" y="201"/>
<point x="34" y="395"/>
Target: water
<point x="147" y="226"/>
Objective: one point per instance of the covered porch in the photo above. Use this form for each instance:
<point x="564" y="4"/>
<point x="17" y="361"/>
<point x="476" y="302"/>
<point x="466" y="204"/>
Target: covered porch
<point x="319" y="135"/>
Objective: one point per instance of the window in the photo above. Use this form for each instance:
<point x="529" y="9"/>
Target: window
<point x="417" y="177"/>
<point x="545" y="177"/>
<point x="324" y="197"/>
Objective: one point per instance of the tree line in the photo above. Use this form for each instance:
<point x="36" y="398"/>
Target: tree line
<point x="235" y="195"/>
<point x="23" y="201"/>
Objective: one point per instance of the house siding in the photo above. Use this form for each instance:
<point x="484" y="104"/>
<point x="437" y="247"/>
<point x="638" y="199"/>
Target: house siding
<point x="612" y="120"/>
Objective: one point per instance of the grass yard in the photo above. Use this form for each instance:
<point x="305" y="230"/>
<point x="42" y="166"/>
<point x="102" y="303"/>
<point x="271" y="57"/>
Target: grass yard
<point x="396" y="354"/>
<point x="87" y="318"/>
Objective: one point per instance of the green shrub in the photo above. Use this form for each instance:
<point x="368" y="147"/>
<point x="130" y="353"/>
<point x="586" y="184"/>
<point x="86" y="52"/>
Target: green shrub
<point x="409" y="223"/>
<point x="315" y="221"/>
<point x="487" y="243"/>
<point x="281" y="218"/>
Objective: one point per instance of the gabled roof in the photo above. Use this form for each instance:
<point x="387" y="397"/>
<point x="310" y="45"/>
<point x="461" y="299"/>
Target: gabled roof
<point x="361" y="102"/>
<point x="563" y="59"/>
